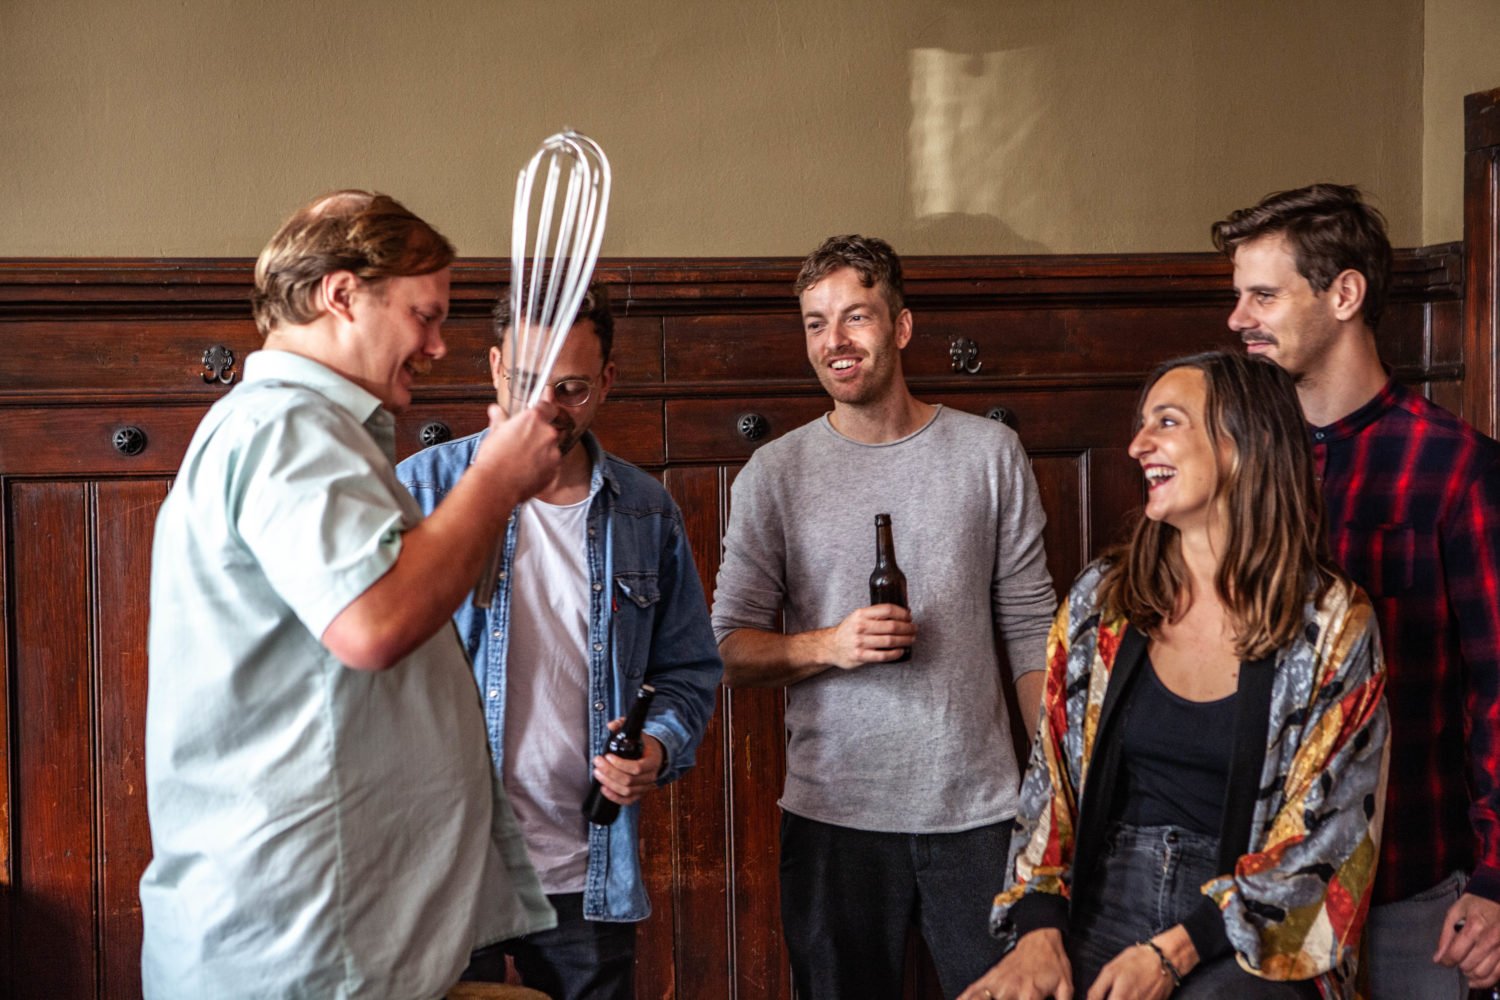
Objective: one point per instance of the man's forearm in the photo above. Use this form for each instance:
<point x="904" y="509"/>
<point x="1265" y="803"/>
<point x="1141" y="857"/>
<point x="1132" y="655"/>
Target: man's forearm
<point x="439" y="561"/>
<point x="1029" y="693"/>
<point x="753" y="658"/>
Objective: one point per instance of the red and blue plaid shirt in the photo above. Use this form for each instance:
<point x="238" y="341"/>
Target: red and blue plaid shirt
<point x="1413" y="497"/>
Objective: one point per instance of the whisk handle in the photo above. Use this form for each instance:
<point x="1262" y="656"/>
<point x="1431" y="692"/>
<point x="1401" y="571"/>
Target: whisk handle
<point x="489" y="576"/>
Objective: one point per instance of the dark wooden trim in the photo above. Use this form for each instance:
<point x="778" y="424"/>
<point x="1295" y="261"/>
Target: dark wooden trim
<point x="116" y="288"/>
<point x="1481" y="120"/>
<point x="1123" y="379"/>
<point x="1482" y="241"/>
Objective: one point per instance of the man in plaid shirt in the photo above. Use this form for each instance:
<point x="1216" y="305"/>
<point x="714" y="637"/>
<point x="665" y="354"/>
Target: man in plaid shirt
<point x="1413" y="496"/>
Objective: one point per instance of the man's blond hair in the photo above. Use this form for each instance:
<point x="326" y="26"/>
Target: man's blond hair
<point x="373" y="236"/>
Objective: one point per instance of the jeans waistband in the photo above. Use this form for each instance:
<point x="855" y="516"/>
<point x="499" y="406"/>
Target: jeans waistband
<point x="1126" y="836"/>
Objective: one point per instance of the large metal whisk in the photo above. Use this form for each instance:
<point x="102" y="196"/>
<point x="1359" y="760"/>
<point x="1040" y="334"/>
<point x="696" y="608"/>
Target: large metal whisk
<point x="548" y="284"/>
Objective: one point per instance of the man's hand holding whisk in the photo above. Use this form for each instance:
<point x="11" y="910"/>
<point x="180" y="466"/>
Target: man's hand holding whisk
<point x="519" y="455"/>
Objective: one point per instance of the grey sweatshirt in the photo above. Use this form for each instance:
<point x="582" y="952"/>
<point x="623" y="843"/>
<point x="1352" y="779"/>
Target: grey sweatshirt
<point x="917" y="747"/>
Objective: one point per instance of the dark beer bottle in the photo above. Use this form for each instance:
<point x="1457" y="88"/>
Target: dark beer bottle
<point x="626" y="743"/>
<point x="888" y="583"/>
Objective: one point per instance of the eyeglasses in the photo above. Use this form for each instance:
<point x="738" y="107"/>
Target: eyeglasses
<point x="565" y="392"/>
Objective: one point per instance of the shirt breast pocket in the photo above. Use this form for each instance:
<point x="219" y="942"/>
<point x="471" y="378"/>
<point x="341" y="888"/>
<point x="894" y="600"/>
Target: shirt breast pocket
<point x="636" y="598"/>
<point x="1381" y="558"/>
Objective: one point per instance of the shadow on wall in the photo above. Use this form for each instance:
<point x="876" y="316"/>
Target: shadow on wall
<point x="971" y="115"/>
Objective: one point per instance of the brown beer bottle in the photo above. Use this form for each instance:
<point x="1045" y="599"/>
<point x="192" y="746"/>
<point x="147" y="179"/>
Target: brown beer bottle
<point x="888" y="583"/>
<point x="626" y="743"/>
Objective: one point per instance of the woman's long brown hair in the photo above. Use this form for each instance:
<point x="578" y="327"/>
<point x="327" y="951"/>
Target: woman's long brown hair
<point x="1275" y="544"/>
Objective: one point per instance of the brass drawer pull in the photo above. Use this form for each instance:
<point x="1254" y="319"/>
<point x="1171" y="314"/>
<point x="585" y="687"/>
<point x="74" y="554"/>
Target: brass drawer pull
<point x="1002" y="414"/>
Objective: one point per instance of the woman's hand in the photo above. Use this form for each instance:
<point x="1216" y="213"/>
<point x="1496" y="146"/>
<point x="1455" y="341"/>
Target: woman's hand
<point x="1036" y="968"/>
<point x="1137" y="973"/>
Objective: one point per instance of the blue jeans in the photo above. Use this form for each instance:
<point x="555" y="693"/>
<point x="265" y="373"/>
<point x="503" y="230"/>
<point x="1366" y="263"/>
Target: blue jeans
<point x="848" y="897"/>
<point x="1148" y="880"/>
<point x="577" y="960"/>
<point x="1402" y="937"/>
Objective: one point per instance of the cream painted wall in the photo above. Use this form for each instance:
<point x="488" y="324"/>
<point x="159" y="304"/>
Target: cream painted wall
<point x="190" y="127"/>
<point x="1461" y="45"/>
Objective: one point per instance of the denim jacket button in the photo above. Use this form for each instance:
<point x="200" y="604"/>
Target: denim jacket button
<point x="598" y="706"/>
<point x="598" y="587"/>
<point x="495" y="634"/>
<point x="598" y="647"/>
<point x="493" y="693"/>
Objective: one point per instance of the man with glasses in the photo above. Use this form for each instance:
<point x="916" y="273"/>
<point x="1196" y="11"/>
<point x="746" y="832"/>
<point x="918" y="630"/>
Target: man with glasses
<point x="597" y="593"/>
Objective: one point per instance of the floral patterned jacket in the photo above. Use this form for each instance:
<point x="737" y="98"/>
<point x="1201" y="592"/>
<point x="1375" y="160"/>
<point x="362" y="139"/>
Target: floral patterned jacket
<point x="1295" y="901"/>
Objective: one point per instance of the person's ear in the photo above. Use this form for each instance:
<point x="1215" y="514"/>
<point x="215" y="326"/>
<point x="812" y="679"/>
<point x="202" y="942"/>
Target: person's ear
<point x="606" y="381"/>
<point x="1347" y="294"/>
<point x="903" y="329"/>
<point x="497" y="369"/>
<point x="336" y="294"/>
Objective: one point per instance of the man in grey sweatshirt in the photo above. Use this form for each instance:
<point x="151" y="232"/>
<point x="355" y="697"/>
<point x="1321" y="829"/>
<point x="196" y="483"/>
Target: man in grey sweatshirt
<point x="901" y="779"/>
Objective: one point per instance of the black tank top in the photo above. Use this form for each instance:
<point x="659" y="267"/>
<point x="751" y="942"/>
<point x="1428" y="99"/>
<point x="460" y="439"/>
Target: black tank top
<point x="1175" y="757"/>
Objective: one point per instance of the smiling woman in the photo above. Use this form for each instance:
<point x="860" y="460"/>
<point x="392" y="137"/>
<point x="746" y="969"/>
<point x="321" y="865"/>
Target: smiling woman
<point x="1177" y="453"/>
<point x="1209" y="657"/>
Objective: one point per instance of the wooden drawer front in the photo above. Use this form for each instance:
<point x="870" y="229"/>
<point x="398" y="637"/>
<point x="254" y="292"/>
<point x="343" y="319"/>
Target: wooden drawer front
<point x="1009" y="342"/>
<point x="120" y="355"/>
<point x="704" y="430"/>
<point x="739" y="347"/>
<point x="1013" y="342"/>
<point x="1054" y="421"/>
<point x="1050" y="421"/>
<point x="79" y="440"/>
<point x="636" y="352"/>
<point x="631" y="428"/>
<point x="168" y="355"/>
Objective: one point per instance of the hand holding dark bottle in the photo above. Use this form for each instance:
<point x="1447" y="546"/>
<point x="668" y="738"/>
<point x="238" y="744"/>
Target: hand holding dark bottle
<point x="627" y="743"/>
<point x="887" y="582"/>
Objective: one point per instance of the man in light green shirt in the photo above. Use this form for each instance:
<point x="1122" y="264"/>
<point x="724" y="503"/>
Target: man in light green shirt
<point x="324" y="818"/>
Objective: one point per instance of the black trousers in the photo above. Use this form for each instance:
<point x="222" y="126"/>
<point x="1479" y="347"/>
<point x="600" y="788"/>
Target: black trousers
<point x="848" y="897"/>
<point x="577" y="960"/>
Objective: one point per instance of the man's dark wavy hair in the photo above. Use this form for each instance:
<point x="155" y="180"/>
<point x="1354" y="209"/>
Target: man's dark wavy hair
<point x="594" y="308"/>
<point x="872" y="258"/>
<point x="1330" y="230"/>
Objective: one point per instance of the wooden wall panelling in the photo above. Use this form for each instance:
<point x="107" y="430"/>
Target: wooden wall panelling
<point x="123" y="509"/>
<point x="1060" y="480"/>
<point x="8" y="897"/>
<point x="93" y="345"/>
<point x="1444" y="325"/>
<point x="655" y="977"/>
<point x="1481" y="258"/>
<point x="53" y="949"/>
<point x="704" y="932"/>
<point x="755" y="741"/>
<point x="1112" y="494"/>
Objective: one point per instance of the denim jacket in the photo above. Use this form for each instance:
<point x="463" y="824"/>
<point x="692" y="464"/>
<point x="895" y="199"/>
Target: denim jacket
<point x="648" y="621"/>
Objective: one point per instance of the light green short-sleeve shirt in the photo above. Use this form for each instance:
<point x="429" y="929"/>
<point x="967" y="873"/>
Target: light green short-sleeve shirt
<point x="317" y="831"/>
